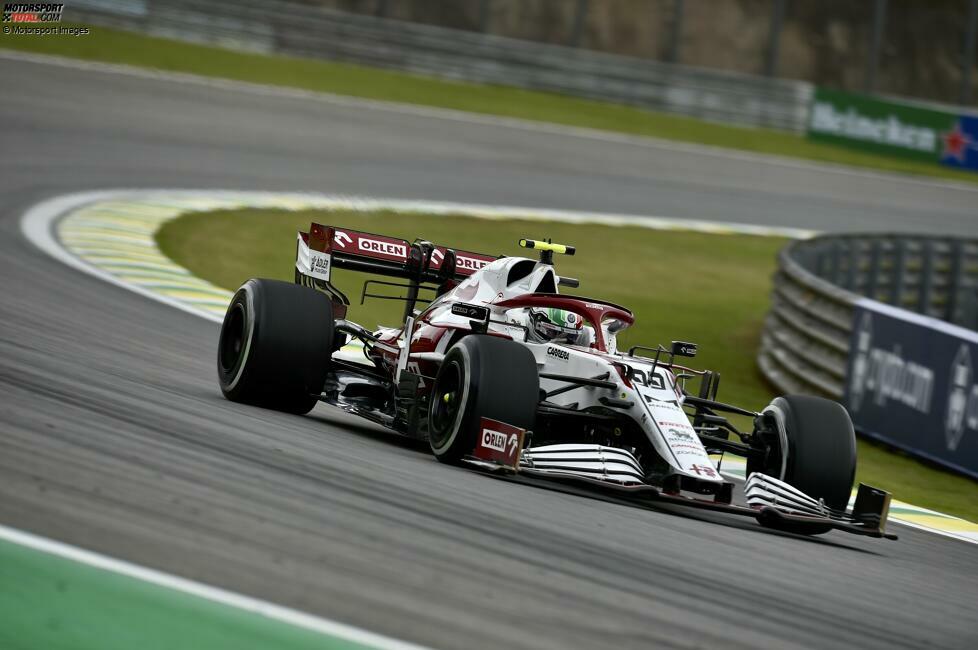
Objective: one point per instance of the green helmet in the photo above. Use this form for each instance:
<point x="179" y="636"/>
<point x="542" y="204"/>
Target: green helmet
<point x="552" y="324"/>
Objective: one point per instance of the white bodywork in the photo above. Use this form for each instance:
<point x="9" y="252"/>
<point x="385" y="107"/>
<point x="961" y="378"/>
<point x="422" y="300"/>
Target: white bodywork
<point x="657" y="407"/>
<point x="656" y="402"/>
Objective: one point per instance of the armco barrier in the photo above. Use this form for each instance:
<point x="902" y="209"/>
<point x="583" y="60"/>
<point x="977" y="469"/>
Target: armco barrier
<point x="309" y="31"/>
<point x="886" y="325"/>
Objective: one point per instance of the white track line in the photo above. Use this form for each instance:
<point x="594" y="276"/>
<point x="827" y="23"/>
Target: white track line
<point x="37" y="224"/>
<point x="191" y="588"/>
<point x="478" y="118"/>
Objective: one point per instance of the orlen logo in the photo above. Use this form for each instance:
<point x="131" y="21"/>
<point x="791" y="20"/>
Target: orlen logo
<point x="382" y="247"/>
<point x="470" y="263"/>
<point x="494" y="440"/>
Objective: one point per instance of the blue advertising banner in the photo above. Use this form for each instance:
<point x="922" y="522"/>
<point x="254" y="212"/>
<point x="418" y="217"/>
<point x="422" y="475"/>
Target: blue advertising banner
<point x="911" y="382"/>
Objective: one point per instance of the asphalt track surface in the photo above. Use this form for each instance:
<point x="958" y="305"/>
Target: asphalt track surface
<point x="115" y="436"/>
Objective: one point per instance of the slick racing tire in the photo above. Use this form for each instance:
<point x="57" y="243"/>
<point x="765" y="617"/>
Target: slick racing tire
<point x="481" y="376"/>
<point x="275" y="346"/>
<point x="820" y="459"/>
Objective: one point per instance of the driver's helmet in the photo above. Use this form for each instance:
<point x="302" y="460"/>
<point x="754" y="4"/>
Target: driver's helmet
<point x="557" y="325"/>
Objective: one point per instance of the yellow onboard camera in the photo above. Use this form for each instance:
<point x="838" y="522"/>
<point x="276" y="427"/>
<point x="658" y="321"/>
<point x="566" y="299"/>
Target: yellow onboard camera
<point x="547" y="249"/>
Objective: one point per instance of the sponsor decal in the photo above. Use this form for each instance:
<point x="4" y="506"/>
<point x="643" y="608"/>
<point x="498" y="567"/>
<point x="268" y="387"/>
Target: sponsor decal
<point x="959" y="145"/>
<point x="962" y="400"/>
<point x="383" y="247"/>
<point x="469" y="263"/>
<point x="466" y="263"/>
<point x="476" y="312"/>
<point x="860" y="362"/>
<point x="686" y="450"/>
<point x="341" y="239"/>
<point x="557" y="353"/>
<point x="669" y="406"/>
<point x="681" y="425"/>
<point x="499" y="443"/>
<point x="889" y="130"/>
<point x="703" y="471"/>
<point x="676" y="434"/>
<point x="911" y="382"/>
<point x="894" y="128"/>
<point x="887" y="375"/>
<point x="319" y="264"/>
<point x="495" y="440"/>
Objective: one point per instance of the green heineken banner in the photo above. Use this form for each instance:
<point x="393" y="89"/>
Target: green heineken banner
<point x="873" y="125"/>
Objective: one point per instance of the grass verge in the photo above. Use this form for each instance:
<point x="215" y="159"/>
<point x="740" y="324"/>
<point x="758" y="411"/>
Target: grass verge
<point x="117" y="46"/>
<point x="711" y="289"/>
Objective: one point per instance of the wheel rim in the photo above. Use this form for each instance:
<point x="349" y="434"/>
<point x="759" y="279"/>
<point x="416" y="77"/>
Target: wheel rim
<point x="446" y="403"/>
<point x="232" y="338"/>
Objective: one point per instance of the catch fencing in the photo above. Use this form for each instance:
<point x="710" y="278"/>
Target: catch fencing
<point x="886" y="325"/>
<point x="274" y="26"/>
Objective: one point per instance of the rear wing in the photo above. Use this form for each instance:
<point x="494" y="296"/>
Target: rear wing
<point x="324" y="248"/>
<point x="370" y="253"/>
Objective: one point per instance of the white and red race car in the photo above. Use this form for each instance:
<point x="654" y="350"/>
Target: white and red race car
<point x="501" y="372"/>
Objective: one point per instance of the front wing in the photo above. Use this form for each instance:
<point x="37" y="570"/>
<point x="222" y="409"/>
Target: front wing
<point x="615" y="471"/>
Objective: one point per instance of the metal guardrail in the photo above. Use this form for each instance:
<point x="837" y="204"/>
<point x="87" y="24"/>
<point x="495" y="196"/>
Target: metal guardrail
<point x="806" y="337"/>
<point x="308" y="31"/>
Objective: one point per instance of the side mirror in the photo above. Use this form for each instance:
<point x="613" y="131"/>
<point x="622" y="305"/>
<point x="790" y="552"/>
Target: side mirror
<point x="683" y="349"/>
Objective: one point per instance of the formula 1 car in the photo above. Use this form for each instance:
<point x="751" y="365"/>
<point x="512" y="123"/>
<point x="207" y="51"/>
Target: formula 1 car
<point x="501" y="372"/>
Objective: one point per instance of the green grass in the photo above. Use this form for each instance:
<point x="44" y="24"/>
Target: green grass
<point x="711" y="289"/>
<point x="111" y="45"/>
<point x="51" y="602"/>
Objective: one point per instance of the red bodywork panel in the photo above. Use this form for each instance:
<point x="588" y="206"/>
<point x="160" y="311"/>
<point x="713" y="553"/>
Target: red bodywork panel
<point x="499" y="443"/>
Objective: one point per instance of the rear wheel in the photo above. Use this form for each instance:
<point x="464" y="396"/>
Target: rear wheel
<point x="820" y="457"/>
<point x="481" y="376"/>
<point x="275" y="346"/>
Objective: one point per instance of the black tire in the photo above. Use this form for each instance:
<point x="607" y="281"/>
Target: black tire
<point x="821" y="454"/>
<point x="485" y="376"/>
<point x="275" y="347"/>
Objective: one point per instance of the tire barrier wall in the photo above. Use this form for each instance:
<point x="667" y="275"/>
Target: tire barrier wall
<point x="886" y="325"/>
<point x="308" y="31"/>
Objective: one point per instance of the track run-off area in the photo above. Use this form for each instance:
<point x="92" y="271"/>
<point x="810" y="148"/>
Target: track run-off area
<point x="117" y="441"/>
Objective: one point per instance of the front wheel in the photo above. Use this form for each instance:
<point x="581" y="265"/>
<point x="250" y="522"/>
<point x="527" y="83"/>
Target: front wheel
<point x="481" y="377"/>
<point x="820" y="455"/>
<point x="275" y="346"/>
